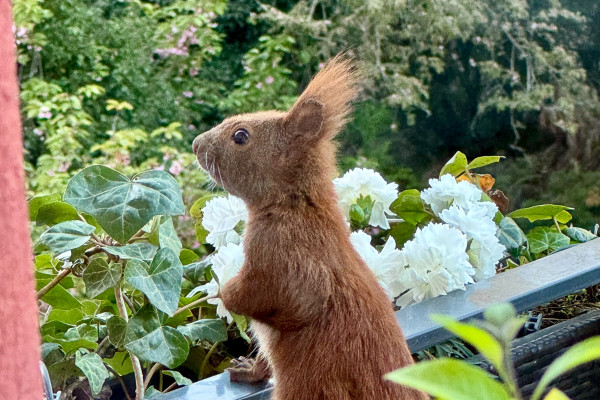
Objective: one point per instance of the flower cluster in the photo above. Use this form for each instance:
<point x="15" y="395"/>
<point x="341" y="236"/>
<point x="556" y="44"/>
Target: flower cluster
<point x="362" y="182"/>
<point x="457" y="247"/>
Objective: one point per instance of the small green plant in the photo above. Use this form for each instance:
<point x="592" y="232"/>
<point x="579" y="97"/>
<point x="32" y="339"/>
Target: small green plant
<point x="131" y="310"/>
<point x="451" y="379"/>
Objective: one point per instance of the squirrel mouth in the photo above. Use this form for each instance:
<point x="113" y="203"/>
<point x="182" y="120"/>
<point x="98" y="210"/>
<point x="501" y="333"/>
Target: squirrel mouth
<point x="208" y="165"/>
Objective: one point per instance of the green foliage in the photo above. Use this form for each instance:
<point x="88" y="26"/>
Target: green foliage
<point x="132" y="279"/>
<point x="457" y="380"/>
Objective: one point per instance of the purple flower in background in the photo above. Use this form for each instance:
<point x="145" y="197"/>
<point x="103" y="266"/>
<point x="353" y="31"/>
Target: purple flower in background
<point x="258" y="85"/>
<point x="38" y="132"/>
<point x="269" y="80"/>
<point x="188" y="94"/>
<point x="64" y="166"/>
<point x="176" y="168"/>
<point x="44" y="113"/>
<point x="194" y="71"/>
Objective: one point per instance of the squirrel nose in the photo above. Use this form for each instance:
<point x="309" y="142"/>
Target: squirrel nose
<point x="196" y="145"/>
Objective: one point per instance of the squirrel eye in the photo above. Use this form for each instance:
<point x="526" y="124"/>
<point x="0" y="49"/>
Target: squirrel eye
<point x="240" y="136"/>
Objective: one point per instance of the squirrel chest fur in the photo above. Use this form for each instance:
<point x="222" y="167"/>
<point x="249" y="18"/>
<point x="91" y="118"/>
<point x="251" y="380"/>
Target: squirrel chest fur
<point x="323" y="323"/>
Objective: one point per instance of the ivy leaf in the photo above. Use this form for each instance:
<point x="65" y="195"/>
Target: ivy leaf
<point x="179" y="379"/>
<point x="116" y="331"/>
<point x="100" y="275"/>
<point x="37" y="202"/>
<point x="194" y="272"/>
<point x="138" y="250"/>
<point x="58" y="297"/>
<point x="450" y="379"/>
<point x="483" y="161"/>
<point x="510" y="234"/>
<point x="579" y="234"/>
<point x="541" y="212"/>
<point x="93" y="368"/>
<point x="122" y="205"/>
<point x="579" y="354"/>
<point x="556" y="394"/>
<point x="147" y="338"/>
<point x="167" y="237"/>
<point x="456" y="165"/>
<point x="79" y="336"/>
<point x="55" y="213"/>
<point x="409" y="206"/>
<point x="543" y="238"/>
<point x="67" y="236"/>
<point x="160" y="281"/>
<point x="213" y="330"/>
<point x="120" y="362"/>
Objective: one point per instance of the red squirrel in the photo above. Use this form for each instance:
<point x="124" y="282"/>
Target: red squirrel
<point x="323" y="323"/>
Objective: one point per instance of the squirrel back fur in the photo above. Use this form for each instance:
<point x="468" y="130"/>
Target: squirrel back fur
<point x="322" y="320"/>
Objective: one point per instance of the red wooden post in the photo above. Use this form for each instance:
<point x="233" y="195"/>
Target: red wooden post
<point x="20" y="376"/>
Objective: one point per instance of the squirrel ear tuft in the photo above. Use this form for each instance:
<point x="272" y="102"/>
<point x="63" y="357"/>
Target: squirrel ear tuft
<point x="305" y="119"/>
<point x="329" y="95"/>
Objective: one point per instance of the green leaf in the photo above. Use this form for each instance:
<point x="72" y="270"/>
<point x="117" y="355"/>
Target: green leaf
<point x="402" y="233"/>
<point x="213" y="330"/>
<point x="194" y="272"/>
<point x="67" y="236"/>
<point x="100" y="275"/>
<point x="120" y="362"/>
<point x="79" y="336"/>
<point x="48" y="348"/>
<point x="179" y="379"/>
<point x="450" y="379"/>
<point x="37" y="202"/>
<point x="93" y="368"/>
<point x="58" y="297"/>
<point x="563" y="217"/>
<point x="579" y="354"/>
<point x="541" y="212"/>
<point x="357" y="214"/>
<point x="55" y="213"/>
<point x="510" y="234"/>
<point x="556" y="394"/>
<point x="138" y="250"/>
<point x="456" y="165"/>
<point x="196" y="213"/>
<point x="187" y="256"/>
<point x="167" y="237"/>
<point x="484" y="342"/>
<point x="71" y="316"/>
<point x="160" y="281"/>
<point x="579" y="234"/>
<point x="409" y="207"/>
<point x="152" y="393"/>
<point x="483" y="161"/>
<point x="120" y="205"/>
<point x="242" y="324"/>
<point x="543" y="238"/>
<point x="147" y="338"/>
<point x="116" y="331"/>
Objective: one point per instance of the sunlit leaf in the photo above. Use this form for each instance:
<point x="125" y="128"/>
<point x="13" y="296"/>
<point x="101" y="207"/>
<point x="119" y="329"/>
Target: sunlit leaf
<point x="450" y="379"/>
<point x="579" y="354"/>
<point x="541" y="212"/>
<point x="121" y="205"/>
<point x="456" y="165"/>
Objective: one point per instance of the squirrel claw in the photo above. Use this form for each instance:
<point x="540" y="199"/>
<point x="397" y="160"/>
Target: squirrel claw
<point x="248" y="370"/>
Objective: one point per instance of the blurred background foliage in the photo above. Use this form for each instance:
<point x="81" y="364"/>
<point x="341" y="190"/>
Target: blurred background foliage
<point x="130" y="83"/>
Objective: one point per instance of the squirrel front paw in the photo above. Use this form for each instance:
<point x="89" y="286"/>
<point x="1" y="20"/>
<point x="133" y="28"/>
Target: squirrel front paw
<point x="249" y="370"/>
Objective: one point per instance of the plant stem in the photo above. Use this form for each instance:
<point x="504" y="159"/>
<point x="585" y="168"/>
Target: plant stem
<point x="206" y="359"/>
<point x="137" y="367"/>
<point x="154" y="368"/>
<point x="557" y="225"/>
<point x="53" y="282"/>
<point x="120" y="380"/>
<point x="171" y="387"/>
<point x="193" y="304"/>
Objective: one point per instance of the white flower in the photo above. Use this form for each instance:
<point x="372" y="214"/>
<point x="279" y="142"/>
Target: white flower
<point x="445" y="192"/>
<point x="387" y="265"/>
<point x="366" y="182"/>
<point x="485" y="251"/>
<point x="226" y="263"/>
<point x="438" y="263"/>
<point x="220" y="217"/>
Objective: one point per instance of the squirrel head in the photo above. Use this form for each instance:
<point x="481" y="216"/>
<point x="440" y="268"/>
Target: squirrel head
<point x="266" y="157"/>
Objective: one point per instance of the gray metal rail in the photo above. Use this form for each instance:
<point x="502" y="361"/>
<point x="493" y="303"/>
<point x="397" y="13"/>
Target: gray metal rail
<point x="525" y="287"/>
